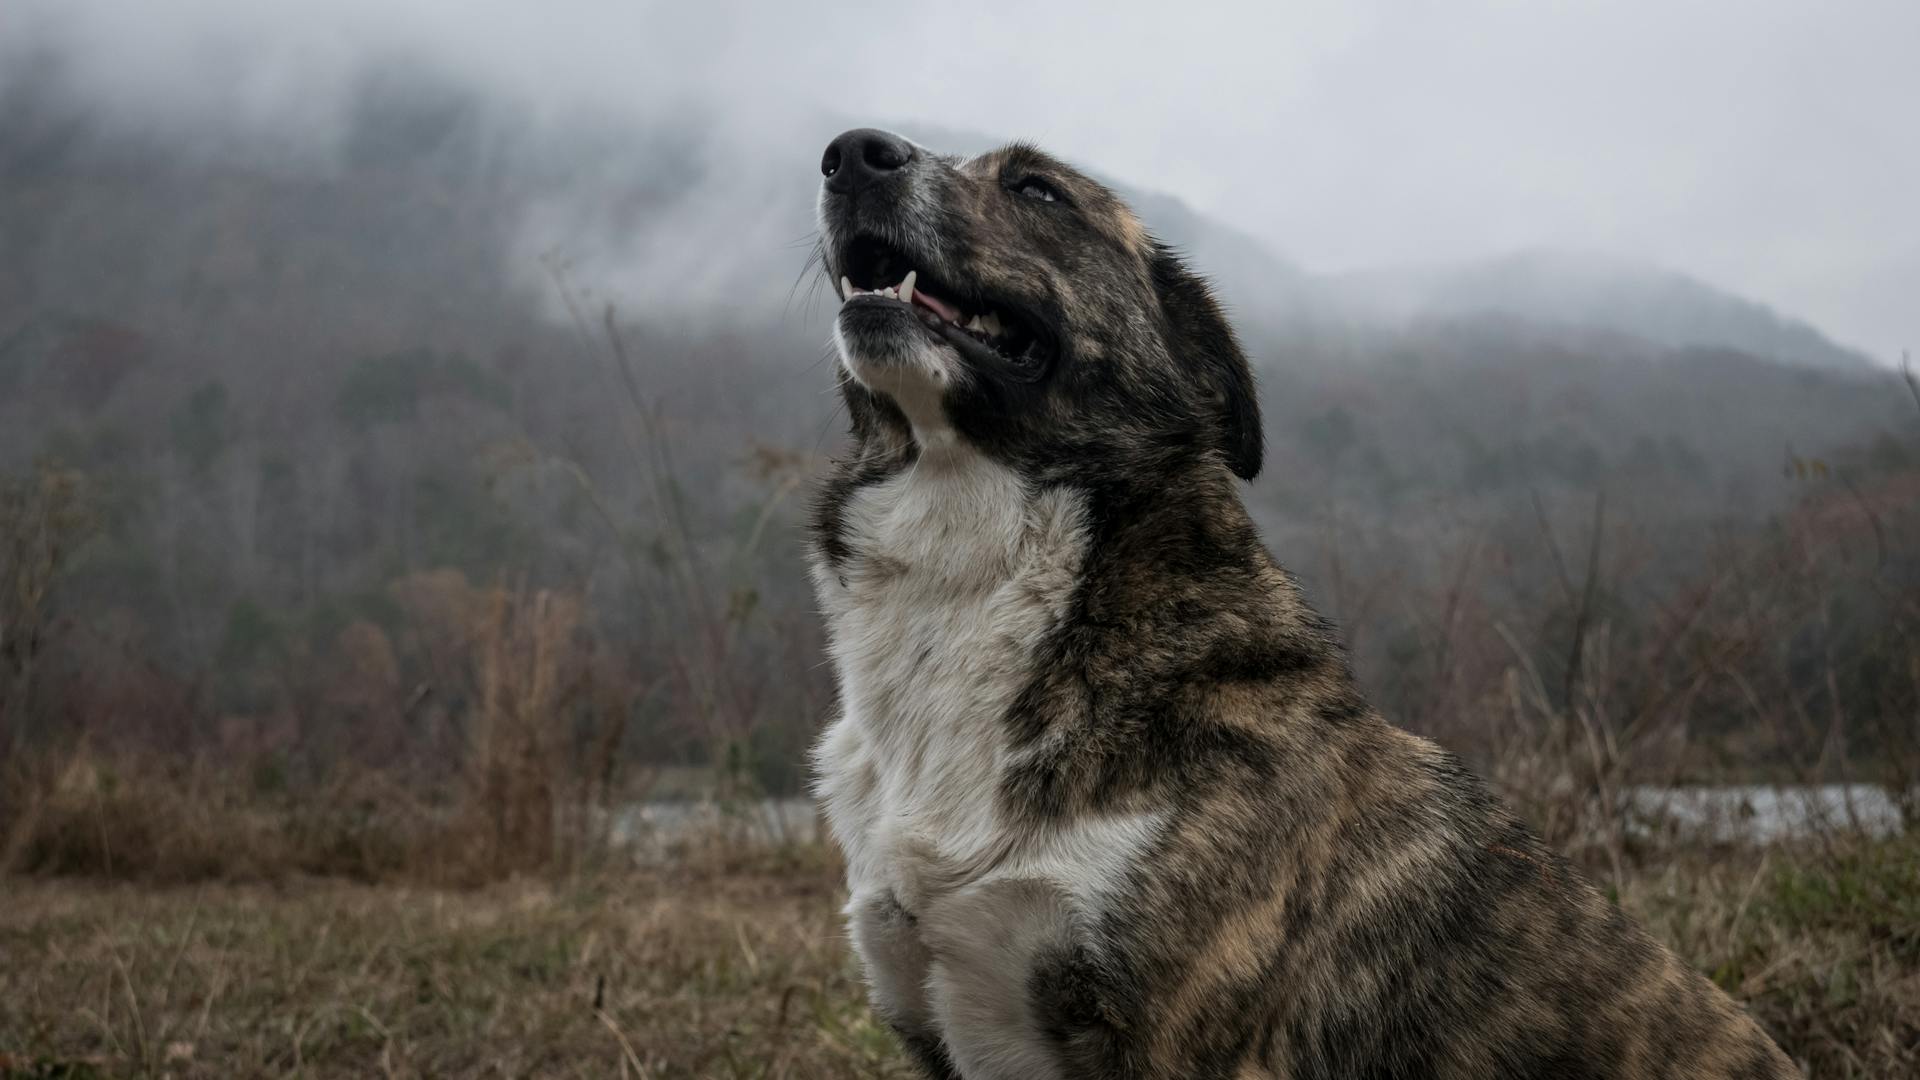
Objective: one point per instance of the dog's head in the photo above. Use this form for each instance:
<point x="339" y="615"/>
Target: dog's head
<point x="1014" y="303"/>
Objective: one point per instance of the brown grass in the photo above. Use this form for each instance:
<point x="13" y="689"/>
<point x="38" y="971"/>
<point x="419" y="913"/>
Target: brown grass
<point x="523" y="787"/>
<point x="736" y="967"/>
<point x="170" y="822"/>
<point x="1821" y="943"/>
<point x="721" y="970"/>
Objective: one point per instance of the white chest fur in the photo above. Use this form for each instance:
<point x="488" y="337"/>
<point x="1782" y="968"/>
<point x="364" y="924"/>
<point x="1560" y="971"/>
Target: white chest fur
<point x="958" y="573"/>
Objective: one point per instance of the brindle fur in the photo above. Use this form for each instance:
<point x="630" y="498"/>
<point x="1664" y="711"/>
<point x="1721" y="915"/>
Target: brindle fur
<point x="1330" y="896"/>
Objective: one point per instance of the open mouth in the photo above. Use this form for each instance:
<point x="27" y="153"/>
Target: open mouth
<point x="981" y="329"/>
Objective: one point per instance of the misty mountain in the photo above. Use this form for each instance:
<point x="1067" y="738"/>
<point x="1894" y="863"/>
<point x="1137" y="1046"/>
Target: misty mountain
<point x="1591" y="291"/>
<point x="458" y="340"/>
<point x="441" y="218"/>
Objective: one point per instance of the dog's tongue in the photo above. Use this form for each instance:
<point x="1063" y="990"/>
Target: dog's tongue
<point x="937" y="306"/>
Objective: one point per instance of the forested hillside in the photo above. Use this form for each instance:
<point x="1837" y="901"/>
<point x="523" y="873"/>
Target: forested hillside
<point x="292" y="432"/>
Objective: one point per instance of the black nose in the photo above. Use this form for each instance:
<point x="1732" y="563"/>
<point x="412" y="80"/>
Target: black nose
<point x="862" y="157"/>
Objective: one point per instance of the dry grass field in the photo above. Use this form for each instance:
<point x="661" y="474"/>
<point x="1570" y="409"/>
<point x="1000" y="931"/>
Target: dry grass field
<point x="735" y="967"/>
<point x="719" y="970"/>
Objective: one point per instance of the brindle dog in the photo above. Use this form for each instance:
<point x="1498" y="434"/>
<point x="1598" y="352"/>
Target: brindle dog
<point x="1110" y="801"/>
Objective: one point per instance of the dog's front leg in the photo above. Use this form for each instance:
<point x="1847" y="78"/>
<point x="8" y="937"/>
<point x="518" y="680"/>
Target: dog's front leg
<point x="1014" y="987"/>
<point x="887" y="938"/>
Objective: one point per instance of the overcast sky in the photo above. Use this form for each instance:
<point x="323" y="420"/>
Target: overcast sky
<point x="1772" y="148"/>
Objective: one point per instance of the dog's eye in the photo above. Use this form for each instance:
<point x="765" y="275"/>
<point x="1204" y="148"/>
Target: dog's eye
<point x="1035" y="188"/>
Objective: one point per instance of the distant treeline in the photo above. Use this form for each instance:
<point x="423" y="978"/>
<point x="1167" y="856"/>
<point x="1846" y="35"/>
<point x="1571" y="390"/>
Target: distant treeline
<point x="304" y="458"/>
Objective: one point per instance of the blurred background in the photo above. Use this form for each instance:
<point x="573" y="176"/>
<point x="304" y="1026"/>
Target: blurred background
<point x="408" y="413"/>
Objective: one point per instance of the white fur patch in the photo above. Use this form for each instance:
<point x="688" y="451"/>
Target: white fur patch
<point x="957" y="575"/>
<point x="917" y="385"/>
<point x="985" y="941"/>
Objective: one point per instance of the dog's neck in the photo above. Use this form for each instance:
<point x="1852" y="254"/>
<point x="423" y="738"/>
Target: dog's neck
<point x="1186" y="518"/>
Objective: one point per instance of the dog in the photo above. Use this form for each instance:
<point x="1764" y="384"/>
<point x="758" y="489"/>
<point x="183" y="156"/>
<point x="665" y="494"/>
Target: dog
<point x="1110" y="801"/>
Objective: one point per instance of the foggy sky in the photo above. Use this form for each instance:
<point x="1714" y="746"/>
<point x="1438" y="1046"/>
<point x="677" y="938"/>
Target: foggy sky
<point x="1768" y="147"/>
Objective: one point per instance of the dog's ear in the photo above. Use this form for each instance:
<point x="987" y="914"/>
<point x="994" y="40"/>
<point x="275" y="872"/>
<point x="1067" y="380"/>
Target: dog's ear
<point x="1200" y="337"/>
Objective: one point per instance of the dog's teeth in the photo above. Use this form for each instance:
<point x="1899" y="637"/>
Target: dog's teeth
<point x="906" y="286"/>
<point x="991" y="324"/>
<point x="846" y="288"/>
<point x="975" y="325"/>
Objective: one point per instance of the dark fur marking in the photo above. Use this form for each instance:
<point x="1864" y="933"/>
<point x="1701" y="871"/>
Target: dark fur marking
<point x="928" y="1052"/>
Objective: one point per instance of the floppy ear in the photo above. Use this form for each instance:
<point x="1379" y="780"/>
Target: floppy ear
<point x="1200" y="337"/>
